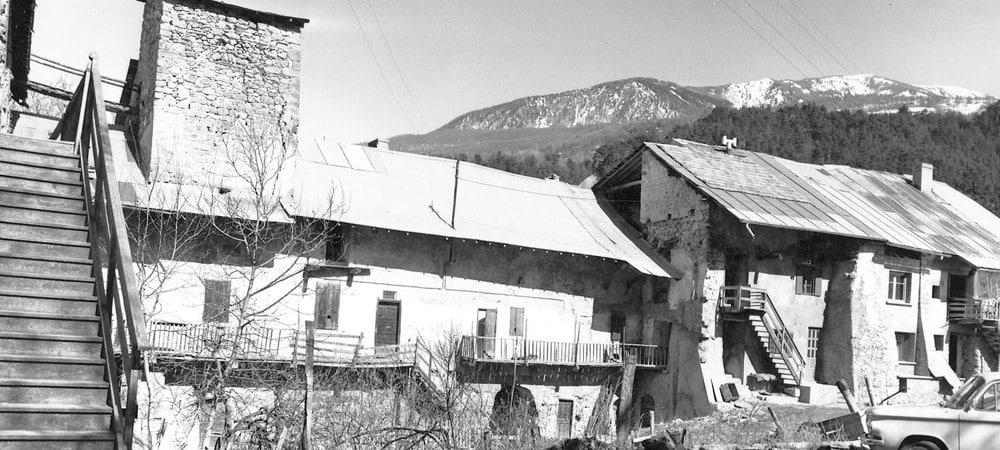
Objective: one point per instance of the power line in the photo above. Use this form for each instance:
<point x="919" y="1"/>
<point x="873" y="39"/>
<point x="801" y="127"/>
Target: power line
<point x="761" y="36"/>
<point x="776" y="30"/>
<point x="379" y="65"/>
<point x="813" y="37"/>
<point x="395" y="64"/>
<point x="832" y="42"/>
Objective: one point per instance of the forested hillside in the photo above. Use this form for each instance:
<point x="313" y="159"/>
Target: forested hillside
<point x="965" y="150"/>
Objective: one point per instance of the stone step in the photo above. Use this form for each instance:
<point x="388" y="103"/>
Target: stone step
<point x="41" y="198"/>
<point x="40" y="158"/>
<point x="33" y="301"/>
<point x="34" y="171"/>
<point x="47" y="283"/>
<point x="12" y="180"/>
<point x="26" y="262"/>
<point x="47" y="391"/>
<point x="20" y="228"/>
<point x="51" y="367"/>
<point x="42" y="214"/>
<point x="48" y="322"/>
<point x="44" y="146"/>
<point x="45" y="246"/>
<point x="53" y="418"/>
<point x="42" y="344"/>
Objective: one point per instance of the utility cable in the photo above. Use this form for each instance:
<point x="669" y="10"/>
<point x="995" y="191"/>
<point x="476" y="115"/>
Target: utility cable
<point x="761" y="36"/>
<point x="392" y="56"/>
<point x="379" y="65"/>
<point x="832" y="42"/>
<point x="813" y="37"/>
<point x="788" y="41"/>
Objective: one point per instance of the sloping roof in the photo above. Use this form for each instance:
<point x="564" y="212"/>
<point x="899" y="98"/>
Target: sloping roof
<point x="766" y="190"/>
<point x="421" y="194"/>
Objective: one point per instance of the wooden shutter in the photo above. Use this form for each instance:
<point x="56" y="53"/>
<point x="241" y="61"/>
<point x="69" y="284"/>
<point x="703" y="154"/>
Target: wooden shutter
<point x="387" y="323"/>
<point x="327" y="305"/>
<point x="516" y="321"/>
<point x="217" y="293"/>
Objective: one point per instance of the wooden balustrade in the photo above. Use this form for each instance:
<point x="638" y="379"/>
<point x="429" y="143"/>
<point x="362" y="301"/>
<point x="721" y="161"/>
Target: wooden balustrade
<point x="529" y="351"/>
<point x="973" y="311"/>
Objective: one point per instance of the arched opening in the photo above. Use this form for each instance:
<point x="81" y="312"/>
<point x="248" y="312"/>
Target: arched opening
<point x="514" y="411"/>
<point x="646" y="407"/>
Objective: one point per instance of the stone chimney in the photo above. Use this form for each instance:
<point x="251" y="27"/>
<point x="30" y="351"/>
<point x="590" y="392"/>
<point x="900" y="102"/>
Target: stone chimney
<point x="213" y="76"/>
<point x="923" y="177"/>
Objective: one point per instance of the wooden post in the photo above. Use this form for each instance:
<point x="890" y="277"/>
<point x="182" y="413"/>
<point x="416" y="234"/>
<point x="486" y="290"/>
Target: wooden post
<point x="779" y="431"/>
<point x="624" y="419"/>
<point x="868" y="387"/>
<point x="307" y="414"/>
<point x="852" y="405"/>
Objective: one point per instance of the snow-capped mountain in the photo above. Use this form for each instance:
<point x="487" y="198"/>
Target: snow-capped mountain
<point x="637" y="99"/>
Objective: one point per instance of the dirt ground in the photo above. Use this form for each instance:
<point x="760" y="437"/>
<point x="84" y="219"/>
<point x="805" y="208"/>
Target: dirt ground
<point x="752" y="424"/>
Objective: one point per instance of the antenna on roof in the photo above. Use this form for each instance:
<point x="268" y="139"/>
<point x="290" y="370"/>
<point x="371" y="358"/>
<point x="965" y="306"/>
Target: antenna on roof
<point x="729" y="143"/>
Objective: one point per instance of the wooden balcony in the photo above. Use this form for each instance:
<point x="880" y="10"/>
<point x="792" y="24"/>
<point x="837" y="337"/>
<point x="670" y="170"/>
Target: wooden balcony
<point x="974" y="311"/>
<point x="528" y="352"/>
<point x="740" y="299"/>
<point x="225" y="341"/>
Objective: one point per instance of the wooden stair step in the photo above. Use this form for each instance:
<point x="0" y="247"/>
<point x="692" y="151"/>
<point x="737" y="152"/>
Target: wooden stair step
<point x="49" y="209"/>
<point x="48" y="435"/>
<point x="48" y="295"/>
<point x="40" y="224"/>
<point x="48" y="337"/>
<point x="48" y="316"/>
<point x="8" y="172"/>
<point x="40" y="193"/>
<point x="39" y="156"/>
<point x="43" y="382"/>
<point x="45" y="276"/>
<point x="54" y="408"/>
<point x="51" y="367"/>
<point x="51" y="359"/>
<point x="45" y="146"/>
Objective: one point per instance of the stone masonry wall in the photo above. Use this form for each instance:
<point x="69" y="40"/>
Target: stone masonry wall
<point x="213" y="81"/>
<point x="5" y="75"/>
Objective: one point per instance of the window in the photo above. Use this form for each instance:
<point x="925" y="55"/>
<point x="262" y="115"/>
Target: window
<point x="327" y="305"/>
<point x="988" y="400"/>
<point x="661" y="290"/>
<point x="936" y="291"/>
<point x="899" y="286"/>
<point x="388" y="295"/>
<point x="812" y="343"/>
<point x="939" y="342"/>
<point x="217" y="293"/>
<point x="806" y="280"/>
<point x="617" y="327"/>
<point x="906" y="347"/>
<point x="516" y="321"/>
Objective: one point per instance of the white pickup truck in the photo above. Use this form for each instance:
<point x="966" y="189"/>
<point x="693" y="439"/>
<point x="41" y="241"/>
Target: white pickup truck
<point x="969" y="420"/>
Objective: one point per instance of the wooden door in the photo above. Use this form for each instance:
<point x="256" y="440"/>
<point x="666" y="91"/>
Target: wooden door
<point x="387" y="323"/>
<point x="564" y="419"/>
<point x="327" y="305"/>
<point x="486" y="332"/>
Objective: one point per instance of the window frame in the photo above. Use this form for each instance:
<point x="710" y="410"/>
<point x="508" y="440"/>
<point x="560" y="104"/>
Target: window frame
<point x="808" y="280"/>
<point x="900" y="282"/>
<point x="812" y="343"/>
<point x="995" y="388"/>
<point x="911" y="350"/>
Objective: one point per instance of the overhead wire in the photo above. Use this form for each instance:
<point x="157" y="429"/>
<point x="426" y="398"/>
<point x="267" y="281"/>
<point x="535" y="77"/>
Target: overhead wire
<point x="832" y="42"/>
<point x="381" y="72"/>
<point x="788" y="41"/>
<point x="392" y="56"/>
<point x="813" y="37"/>
<point x="766" y="40"/>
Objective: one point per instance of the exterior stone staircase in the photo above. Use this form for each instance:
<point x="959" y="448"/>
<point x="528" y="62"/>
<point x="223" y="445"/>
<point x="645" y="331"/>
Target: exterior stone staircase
<point x="54" y="388"/>
<point x="752" y="305"/>
<point x="773" y="351"/>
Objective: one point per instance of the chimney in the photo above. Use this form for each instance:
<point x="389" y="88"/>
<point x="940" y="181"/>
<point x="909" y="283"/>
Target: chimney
<point x="380" y="143"/>
<point x="923" y="177"/>
<point x="729" y="143"/>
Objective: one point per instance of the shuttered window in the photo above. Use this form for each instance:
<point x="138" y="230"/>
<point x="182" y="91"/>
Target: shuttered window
<point x="516" y="321"/>
<point x="327" y="305"/>
<point x="217" y="294"/>
<point x="807" y="280"/>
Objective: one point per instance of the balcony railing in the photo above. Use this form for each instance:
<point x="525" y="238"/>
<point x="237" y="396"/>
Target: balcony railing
<point x="527" y="351"/>
<point x="973" y="310"/>
<point x="225" y="341"/>
<point x="737" y="299"/>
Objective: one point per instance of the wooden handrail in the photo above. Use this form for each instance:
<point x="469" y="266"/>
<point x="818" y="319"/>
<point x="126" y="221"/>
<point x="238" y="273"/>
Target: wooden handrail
<point x="531" y="351"/>
<point x="121" y="313"/>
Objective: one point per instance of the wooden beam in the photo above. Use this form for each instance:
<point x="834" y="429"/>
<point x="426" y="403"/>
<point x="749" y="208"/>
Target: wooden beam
<point x="334" y="270"/>
<point x="626" y="185"/>
<point x="62" y="94"/>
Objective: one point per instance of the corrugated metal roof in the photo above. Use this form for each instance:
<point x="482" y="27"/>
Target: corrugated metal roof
<point x="422" y="194"/>
<point x="766" y="190"/>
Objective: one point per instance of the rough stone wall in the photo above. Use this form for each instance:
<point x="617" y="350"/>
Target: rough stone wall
<point x="213" y="82"/>
<point x="5" y="74"/>
<point x="836" y="354"/>
<point x="873" y="340"/>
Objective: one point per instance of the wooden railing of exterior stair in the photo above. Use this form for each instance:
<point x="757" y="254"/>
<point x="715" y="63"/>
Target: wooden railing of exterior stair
<point x="974" y="311"/>
<point x="745" y="299"/>
<point x="429" y="366"/>
<point x="85" y="124"/>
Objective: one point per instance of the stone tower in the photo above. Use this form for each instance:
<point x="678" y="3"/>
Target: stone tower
<point x="214" y="78"/>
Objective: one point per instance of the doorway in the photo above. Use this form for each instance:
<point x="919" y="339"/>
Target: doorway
<point x="564" y="419"/>
<point x="387" y="323"/>
<point x="486" y="332"/>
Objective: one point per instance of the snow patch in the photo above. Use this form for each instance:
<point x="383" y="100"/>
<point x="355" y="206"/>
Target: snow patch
<point x="954" y="91"/>
<point x="752" y="93"/>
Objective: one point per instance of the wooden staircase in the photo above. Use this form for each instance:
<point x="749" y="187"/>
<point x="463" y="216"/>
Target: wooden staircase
<point x="62" y="382"/>
<point x="754" y="306"/>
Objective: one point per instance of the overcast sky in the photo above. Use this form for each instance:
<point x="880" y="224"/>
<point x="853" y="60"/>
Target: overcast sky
<point x="458" y="55"/>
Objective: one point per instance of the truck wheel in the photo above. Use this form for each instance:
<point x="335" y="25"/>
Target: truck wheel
<point x="921" y="445"/>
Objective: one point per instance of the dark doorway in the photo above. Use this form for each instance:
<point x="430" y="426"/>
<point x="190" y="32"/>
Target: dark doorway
<point x="646" y="406"/>
<point x="957" y="286"/>
<point x="564" y="419"/>
<point x="387" y="323"/>
<point x="514" y="411"/>
<point x="953" y="351"/>
<point x="486" y="332"/>
<point x="736" y="270"/>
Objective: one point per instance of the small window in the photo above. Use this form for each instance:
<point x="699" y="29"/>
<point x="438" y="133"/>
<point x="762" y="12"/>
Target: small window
<point x="939" y="342"/>
<point x="661" y="292"/>
<point x="906" y="347"/>
<point x="899" y="286"/>
<point x="217" y="295"/>
<point x="388" y="295"/>
<point x="617" y="327"/>
<point x="936" y="291"/>
<point x="516" y="321"/>
<point x="812" y="343"/>
<point x="807" y="280"/>
<point x="988" y="400"/>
